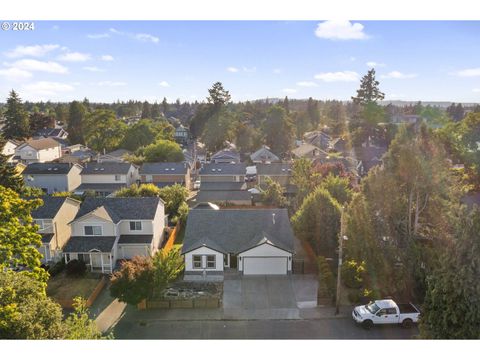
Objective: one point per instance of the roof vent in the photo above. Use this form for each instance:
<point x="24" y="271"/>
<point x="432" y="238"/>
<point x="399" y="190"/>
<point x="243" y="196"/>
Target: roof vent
<point x="55" y="169"/>
<point x="49" y="169"/>
<point x="102" y="169"/>
<point x="214" y="169"/>
<point x="219" y="170"/>
<point x="273" y="218"/>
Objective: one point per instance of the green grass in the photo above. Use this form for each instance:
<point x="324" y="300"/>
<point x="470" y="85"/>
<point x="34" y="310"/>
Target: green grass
<point x="180" y="235"/>
<point x="64" y="287"/>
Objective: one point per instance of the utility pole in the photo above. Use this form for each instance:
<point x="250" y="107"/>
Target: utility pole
<point x="340" y="259"/>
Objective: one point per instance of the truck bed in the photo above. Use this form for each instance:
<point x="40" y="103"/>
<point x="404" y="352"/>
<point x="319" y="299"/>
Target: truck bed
<point x="407" y="308"/>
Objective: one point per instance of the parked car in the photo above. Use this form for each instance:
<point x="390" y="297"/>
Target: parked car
<point x="385" y="311"/>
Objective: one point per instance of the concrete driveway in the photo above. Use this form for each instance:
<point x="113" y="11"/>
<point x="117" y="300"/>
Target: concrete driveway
<point x="268" y="297"/>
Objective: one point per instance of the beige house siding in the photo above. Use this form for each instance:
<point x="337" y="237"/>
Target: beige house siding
<point x="108" y="228"/>
<point x="74" y="179"/>
<point x="61" y="226"/>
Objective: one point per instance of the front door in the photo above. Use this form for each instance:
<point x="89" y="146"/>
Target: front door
<point x="233" y="261"/>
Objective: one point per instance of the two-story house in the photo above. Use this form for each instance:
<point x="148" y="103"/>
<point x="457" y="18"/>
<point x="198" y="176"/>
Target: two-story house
<point x="52" y="177"/>
<point x="106" y="177"/>
<point x="9" y="148"/>
<point x="109" y="229"/>
<point x="278" y="172"/>
<point x="223" y="173"/>
<point x="40" y="150"/>
<point x="181" y="134"/>
<point x="53" y="219"/>
<point x="165" y="174"/>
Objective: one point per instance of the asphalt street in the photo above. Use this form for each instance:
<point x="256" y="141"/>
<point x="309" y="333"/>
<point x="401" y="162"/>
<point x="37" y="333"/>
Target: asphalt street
<point x="257" y="329"/>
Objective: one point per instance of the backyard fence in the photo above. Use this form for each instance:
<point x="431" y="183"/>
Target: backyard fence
<point x="200" y="303"/>
<point x="172" y="237"/>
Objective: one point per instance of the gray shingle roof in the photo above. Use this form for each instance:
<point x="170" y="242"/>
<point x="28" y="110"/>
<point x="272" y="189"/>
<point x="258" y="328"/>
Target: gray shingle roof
<point x="234" y="231"/>
<point x="264" y="154"/>
<point x="223" y="196"/>
<point x="223" y="169"/>
<point x="106" y="168"/>
<point x="112" y="187"/>
<point x="166" y="168"/>
<point x="222" y="186"/>
<point x="135" y="239"/>
<point x="226" y="154"/>
<point x="47" y="168"/>
<point x="274" y="169"/>
<point x="46" y="238"/>
<point x="82" y="244"/>
<point x="50" y="207"/>
<point x="122" y="208"/>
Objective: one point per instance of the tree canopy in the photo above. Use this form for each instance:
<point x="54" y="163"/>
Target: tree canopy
<point x="17" y="125"/>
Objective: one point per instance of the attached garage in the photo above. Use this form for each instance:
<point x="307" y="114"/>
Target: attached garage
<point x="265" y="265"/>
<point x="130" y="246"/>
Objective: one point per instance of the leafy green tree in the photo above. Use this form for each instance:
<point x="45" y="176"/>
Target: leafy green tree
<point x="133" y="282"/>
<point x="218" y="130"/>
<point x="69" y="194"/>
<point x="17" y="125"/>
<point x="9" y="176"/>
<point x="25" y="310"/>
<point x="247" y="138"/>
<point x="39" y="120"/>
<point x="18" y="236"/>
<point x="174" y="197"/>
<point x="78" y="324"/>
<point x="61" y="113"/>
<point x="167" y="266"/>
<point x="338" y="187"/>
<point x="145" y="132"/>
<point x="452" y="303"/>
<point x="162" y="151"/>
<point x="146" y="110"/>
<point x="278" y="130"/>
<point x="302" y="123"/>
<point x="76" y="119"/>
<point x="313" y="112"/>
<point x="305" y="178"/>
<point x="103" y="131"/>
<point x="273" y="194"/>
<point x="317" y="221"/>
<point x="134" y="190"/>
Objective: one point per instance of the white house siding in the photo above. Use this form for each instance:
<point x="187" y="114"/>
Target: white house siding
<point x="108" y="228"/>
<point x="124" y="228"/>
<point x="265" y="251"/>
<point x="204" y="251"/>
<point x="51" y="182"/>
<point x="29" y="154"/>
<point x="9" y="149"/>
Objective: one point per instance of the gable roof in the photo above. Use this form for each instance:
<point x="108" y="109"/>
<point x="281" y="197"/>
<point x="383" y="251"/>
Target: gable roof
<point x="222" y="186"/>
<point x="274" y="169"/>
<point x="305" y="149"/>
<point x="83" y="244"/>
<point x="41" y="144"/>
<point x="164" y="168"/>
<point x="223" y="169"/>
<point x="235" y="230"/>
<point x="120" y="153"/>
<point x="264" y="154"/>
<point x="226" y="154"/>
<point x="122" y="208"/>
<point x="53" y="132"/>
<point x="106" y="168"/>
<point x="51" y="206"/>
<point x="48" y="168"/>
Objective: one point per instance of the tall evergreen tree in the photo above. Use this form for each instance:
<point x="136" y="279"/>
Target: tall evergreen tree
<point x="164" y="106"/>
<point x="76" y="118"/>
<point x="369" y="91"/>
<point x="218" y="96"/>
<point x="17" y="125"/>
<point x="9" y="177"/>
<point x="146" y="110"/>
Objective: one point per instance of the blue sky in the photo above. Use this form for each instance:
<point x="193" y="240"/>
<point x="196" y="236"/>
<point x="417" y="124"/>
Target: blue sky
<point x="110" y="60"/>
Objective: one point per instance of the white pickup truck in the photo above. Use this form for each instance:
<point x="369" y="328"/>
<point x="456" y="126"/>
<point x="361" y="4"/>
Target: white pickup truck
<point x="385" y="312"/>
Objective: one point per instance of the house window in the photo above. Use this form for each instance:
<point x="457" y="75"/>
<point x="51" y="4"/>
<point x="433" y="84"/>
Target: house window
<point x="117" y="177"/>
<point x="93" y="230"/>
<point x="135" y="225"/>
<point x="211" y="261"/>
<point x="197" y="261"/>
<point x="40" y="224"/>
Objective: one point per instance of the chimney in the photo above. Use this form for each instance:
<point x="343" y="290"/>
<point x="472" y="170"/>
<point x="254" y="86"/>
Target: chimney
<point x="273" y="218"/>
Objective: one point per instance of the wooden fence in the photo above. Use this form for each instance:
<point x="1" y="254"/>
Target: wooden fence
<point x="199" y="303"/>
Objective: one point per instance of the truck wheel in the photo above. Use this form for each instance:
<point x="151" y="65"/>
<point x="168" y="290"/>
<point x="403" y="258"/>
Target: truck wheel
<point x="407" y="323"/>
<point x="367" y="324"/>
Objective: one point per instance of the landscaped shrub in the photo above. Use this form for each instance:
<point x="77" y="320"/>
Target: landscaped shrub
<point x="353" y="274"/>
<point x="76" y="268"/>
<point x="326" y="280"/>
<point x="57" y="268"/>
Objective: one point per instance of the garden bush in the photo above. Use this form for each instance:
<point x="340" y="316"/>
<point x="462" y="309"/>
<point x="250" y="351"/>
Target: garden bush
<point x="353" y="274"/>
<point x="76" y="268"/>
<point x="326" y="280"/>
<point x="57" y="268"/>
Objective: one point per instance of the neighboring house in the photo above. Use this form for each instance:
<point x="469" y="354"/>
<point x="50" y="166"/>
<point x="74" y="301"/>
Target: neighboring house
<point x="308" y="151"/>
<point x="264" y="155"/>
<point x="226" y="156"/>
<point x="107" y="177"/>
<point x="181" y="134"/>
<point x="40" y="150"/>
<point x="339" y="145"/>
<point x="53" y="219"/>
<point x="165" y="174"/>
<point x="56" y="133"/>
<point x="405" y="119"/>
<point x="52" y="177"/>
<point x="253" y="241"/>
<point x="109" y="229"/>
<point x="368" y="157"/>
<point x="280" y="173"/>
<point x="223" y="193"/>
<point x="9" y="148"/>
<point x="77" y="154"/>
<point x="114" y="156"/>
<point x="223" y="173"/>
<point x="318" y="139"/>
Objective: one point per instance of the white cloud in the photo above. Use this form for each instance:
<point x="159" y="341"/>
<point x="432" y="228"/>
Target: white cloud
<point x="74" y="57"/>
<point x="249" y="70"/>
<point x="55" y="27"/>
<point x="477" y="90"/>
<point x="307" y="84"/>
<point x="164" y="84"/>
<point x="44" y="66"/>
<point x="352" y="58"/>
<point x="47" y="88"/>
<point x="373" y="64"/>
<point x="107" y="58"/>
<point x="98" y="36"/>
<point x="340" y="30"/>
<point x="232" y="69"/>
<point x="468" y="72"/>
<point x="346" y="76"/>
<point x="93" y="69"/>
<point x="289" y="91"/>
<point x="33" y="50"/>
<point x="15" y="74"/>
<point x="111" y="83"/>
<point x="277" y="71"/>
<point x="115" y="31"/>
<point x="398" y="75"/>
<point x="146" y="38"/>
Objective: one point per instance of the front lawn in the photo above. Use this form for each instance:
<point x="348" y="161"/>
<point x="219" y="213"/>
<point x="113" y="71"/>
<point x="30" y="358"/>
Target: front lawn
<point x="63" y="287"/>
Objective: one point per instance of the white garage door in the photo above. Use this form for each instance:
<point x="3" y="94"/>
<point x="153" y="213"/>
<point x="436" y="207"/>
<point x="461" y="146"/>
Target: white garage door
<point x="264" y="265"/>
<point x="128" y="252"/>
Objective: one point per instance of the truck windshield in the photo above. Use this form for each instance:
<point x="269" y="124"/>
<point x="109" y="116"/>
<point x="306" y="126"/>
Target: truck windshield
<point x="372" y="307"/>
